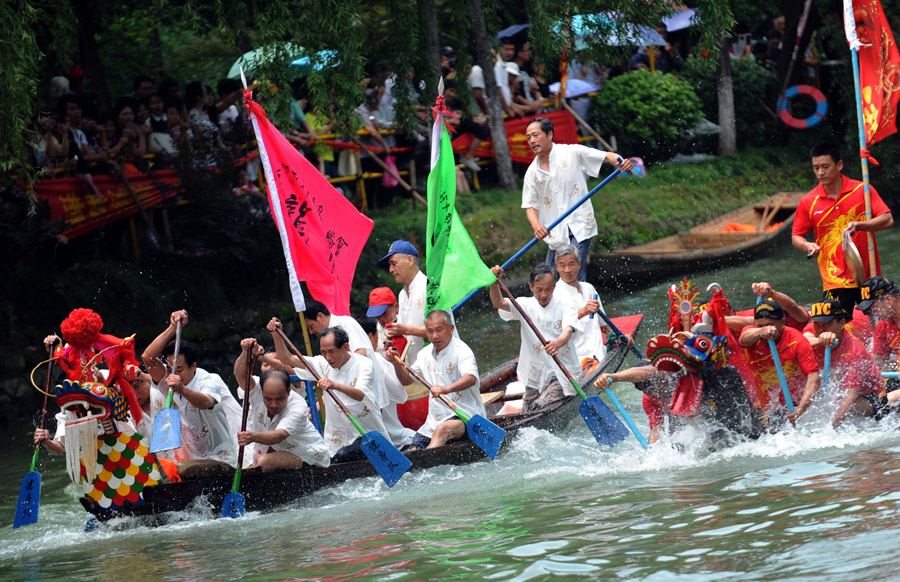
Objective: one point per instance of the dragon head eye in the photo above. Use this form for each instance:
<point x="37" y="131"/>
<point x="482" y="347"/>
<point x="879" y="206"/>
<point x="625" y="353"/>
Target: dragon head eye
<point x="703" y="344"/>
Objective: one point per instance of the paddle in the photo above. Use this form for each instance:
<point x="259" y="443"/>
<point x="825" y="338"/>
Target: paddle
<point x="602" y="422"/>
<point x="167" y="424"/>
<point x="619" y="333"/>
<point x="387" y="459"/>
<point x="233" y="504"/>
<point x="634" y="429"/>
<point x="29" y="501"/>
<point x="484" y="433"/>
<point x="776" y="359"/>
<point x="553" y="224"/>
<point x="826" y="370"/>
<point x="890" y="374"/>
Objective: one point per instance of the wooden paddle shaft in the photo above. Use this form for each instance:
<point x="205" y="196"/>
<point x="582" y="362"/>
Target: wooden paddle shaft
<point x="422" y="380"/>
<point x="251" y="364"/>
<point x="297" y="353"/>
<point x="533" y="328"/>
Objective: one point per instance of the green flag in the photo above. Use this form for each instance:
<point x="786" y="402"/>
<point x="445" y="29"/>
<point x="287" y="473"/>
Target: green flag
<point x="454" y="267"/>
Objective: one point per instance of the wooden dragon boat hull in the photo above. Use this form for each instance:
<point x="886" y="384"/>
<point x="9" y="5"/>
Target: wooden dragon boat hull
<point x="263" y="491"/>
<point x="701" y="248"/>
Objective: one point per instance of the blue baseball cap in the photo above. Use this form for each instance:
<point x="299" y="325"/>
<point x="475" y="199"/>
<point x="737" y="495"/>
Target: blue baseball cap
<point x="398" y="246"/>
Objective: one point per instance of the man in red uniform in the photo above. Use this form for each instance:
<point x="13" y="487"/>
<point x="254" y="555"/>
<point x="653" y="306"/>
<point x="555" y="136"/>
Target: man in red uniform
<point x="797" y="358"/>
<point x="835" y="206"/>
<point x="854" y="374"/>
<point x="882" y="298"/>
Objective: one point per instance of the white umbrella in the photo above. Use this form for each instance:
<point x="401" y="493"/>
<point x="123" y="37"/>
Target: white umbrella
<point x="575" y="88"/>
<point x="681" y="20"/>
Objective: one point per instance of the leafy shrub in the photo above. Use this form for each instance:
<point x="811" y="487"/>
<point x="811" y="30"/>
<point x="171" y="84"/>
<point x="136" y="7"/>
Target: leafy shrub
<point x="754" y="87"/>
<point x="648" y="113"/>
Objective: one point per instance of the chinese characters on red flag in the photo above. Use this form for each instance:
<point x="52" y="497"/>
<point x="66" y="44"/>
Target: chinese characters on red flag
<point x="879" y="66"/>
<point x="323" y="232"/>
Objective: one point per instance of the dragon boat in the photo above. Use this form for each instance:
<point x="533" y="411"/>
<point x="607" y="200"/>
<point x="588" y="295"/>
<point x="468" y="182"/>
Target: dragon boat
<point x="121" y="478"/>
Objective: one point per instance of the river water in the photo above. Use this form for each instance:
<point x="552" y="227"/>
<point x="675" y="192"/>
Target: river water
<point x="807" y="503"/>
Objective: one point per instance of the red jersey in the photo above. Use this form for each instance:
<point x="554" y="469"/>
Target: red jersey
<point x="656" y="410"/>
<point x="827" y="218"/>
<point x="852" y="365"/>
<point x="797" y="360"/>
<point x="887" y="339"/>
<point x="860" y="327"/>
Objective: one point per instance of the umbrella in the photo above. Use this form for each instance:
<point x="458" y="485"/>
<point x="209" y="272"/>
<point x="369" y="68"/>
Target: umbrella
<point x="681" y="20"/>
<point x="575" y="88"/>
<point x="512" y="31"/>
<point x="319" y="61"/>
<point x="618" y="33"/>
<point x="250" y="60"/>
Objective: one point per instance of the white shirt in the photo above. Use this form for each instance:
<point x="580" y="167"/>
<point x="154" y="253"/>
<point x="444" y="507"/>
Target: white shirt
<point x="145" y="426"/>
<point x="552" y="193"/>
<point x="356" y="373"/>
<point x="589" y="343"/>
<point x="476" y="78"/>
<point x="303" y="439"/>
<point x="360" y="341"/>
<point x="452" y="363"/>
<point x="411" y="311"/>
<point x="502" y="77"/>
<point x="210" y="433"/>
<point x="536" y="369"/>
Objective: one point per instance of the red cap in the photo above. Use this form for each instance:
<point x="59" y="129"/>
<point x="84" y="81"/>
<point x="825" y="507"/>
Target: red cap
<point x="379" y="300"/>
<point x="75" y="73"/>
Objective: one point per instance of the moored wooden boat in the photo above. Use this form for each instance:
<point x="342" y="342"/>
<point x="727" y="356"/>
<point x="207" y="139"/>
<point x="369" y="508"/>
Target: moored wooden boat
<point x="732" y="237"/>
<point x="268" y="490"/>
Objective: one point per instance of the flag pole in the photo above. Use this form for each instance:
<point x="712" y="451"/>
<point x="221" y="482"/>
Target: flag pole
<point x="313" y="400"/>
<point x="863" y="154"/>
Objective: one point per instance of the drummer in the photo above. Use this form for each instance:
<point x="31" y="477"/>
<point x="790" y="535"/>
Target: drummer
<point x="834" y="207"/>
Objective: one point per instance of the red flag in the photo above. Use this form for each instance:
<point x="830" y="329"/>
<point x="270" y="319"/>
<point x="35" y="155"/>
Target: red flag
<point x="879" y="67"/>
<point x="322" y="232"/>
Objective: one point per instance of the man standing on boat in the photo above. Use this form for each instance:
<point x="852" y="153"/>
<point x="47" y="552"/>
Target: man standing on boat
<point x="837" y="205"/>
<point x="554" y="182"/>
<point x="279" y="435"/>
<point x="448" y="365"/>
<point x="402" y="261"/>
<point x="589" y="346"/>
<point x="210" y="415"/>
<point x="349" y="376"/>
<point x="794" y="351"/>
<point x="555" y="319"/>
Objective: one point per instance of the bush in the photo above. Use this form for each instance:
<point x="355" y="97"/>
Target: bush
<point x="754" y="87"/>
<point x="648" y="113"/>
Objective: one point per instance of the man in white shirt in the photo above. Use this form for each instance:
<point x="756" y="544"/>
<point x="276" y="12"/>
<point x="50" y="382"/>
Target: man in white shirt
<point x="501" y="75"/>
<point x="349" y="375"/>
<point x="402" y="260"/>
<point x="210" y="415"/>
<point x="448" y="365"/>
<point x="557" y="321"/>
<point x="554" y="182"/>
<point x="383" y="309"/>
<point x="279" y="435"/>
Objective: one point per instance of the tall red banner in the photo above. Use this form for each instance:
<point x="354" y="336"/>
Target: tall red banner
<point x="564" y="131"/>
<point x="879" y="69"/>
<point x="324" y="231"/>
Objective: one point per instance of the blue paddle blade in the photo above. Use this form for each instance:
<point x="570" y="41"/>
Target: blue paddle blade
<point x="166" y="431"/>
<point x="390" y="463"/>
<point x="29" y="500"/>
<point x="602" y="422"/>
<point x="233" y="505"/>
<point x="487" y="435"/>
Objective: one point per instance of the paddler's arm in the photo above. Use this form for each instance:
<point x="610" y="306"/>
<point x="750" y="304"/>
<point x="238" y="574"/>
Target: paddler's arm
<point x="355" y="393"/>
<point x="269" y="437"/>
<point x="800" y="243"/>
<point x="463" y="382"/>
<point x="796" y="312"/>
<point x="497" y="299"/>
<point x="397" y="329"/>
<point x="540" y="232"/>
<point x="552" y="347"/>
<point x="240" y="364"/>
<point x="812" y="386"/>
<point x="200" y="400"/>
<point x="155" y="367"/>
<point x="281" y="350"/>
<point x="751" y="336"/>
<point x="633" y="375"/>
<point x="399" y="368"/>
<point x="846" y="405"/>
<point x="42" y="437"/>
<point x="880" y="222"/>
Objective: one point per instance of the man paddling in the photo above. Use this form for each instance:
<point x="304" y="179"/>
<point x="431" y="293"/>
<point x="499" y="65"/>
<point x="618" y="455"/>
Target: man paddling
<point x="554" y="182"/>
<point x="349" y="375"/>
<point x="448" y="365"/>
<point x="383" y="309"/>
<point x="210" y="415"/>
<point x="279" y="435"/>
<point x="589" y="346"/>
<point x="881" y="298"/>
<point x="794" y="351"/>
<point x="837" y="205"/>
<point x="854" y="374"/>
<point x="555" y="319"/>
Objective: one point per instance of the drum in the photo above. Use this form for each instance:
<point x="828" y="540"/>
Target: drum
<point x="414" y="411"/>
